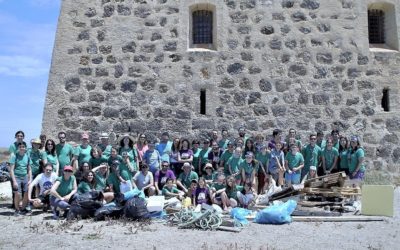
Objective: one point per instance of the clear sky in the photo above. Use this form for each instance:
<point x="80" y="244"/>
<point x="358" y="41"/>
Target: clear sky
<point x="27" y="32"/>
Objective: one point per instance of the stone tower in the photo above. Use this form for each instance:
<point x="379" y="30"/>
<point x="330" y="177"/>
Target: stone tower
<point x="188" y="66"/>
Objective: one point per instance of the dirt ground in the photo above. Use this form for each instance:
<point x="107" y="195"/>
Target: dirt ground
<point x="39" y="231"/>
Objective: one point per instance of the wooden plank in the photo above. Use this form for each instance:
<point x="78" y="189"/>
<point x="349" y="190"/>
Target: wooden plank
<point x="314" y="213"/>
<point x="229" y="229"/>
<point x="336" y="219"/>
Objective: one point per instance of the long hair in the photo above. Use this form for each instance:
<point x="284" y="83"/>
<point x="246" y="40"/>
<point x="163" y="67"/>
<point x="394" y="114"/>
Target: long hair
<point x="85" y="178"/>
<point x="53" y="150"/>
<point x="341" y="148"/>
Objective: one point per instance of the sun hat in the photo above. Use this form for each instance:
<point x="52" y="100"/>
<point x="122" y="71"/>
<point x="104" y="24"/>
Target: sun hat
<point x="121" y="138"/>
<point x="313" y="168"/>
<point x="208" y="165"/>
<point x="36" y="141"/>
<point x="186" y="164"/>
<point x="104" y="135"/>
<point x="249" y="154"/>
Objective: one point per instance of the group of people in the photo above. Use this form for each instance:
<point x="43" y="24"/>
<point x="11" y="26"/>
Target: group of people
<point x="221" y="169"/>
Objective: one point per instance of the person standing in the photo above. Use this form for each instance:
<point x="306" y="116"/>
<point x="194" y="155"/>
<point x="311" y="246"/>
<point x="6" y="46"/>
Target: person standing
<point x="311" y="153"/>
<point x="21" y="177"/>
<point x="19" y="138"/>
<point x="64" y="151"/>
<point x="82" y="152"/>
<point x="294" y="162"/>
<point x="356" y="159"/>
<point x="330" y="157"/>
<point x="51" y="156"/>
<point x="104" y="145"/>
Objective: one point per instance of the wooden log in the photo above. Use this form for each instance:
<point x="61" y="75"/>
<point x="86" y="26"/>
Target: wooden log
<point x="336" y="219"/>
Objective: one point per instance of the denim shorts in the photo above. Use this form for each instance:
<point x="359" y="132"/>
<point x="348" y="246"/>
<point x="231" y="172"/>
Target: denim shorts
<point x="22" y="183"/>
<point x="293" y="178"/>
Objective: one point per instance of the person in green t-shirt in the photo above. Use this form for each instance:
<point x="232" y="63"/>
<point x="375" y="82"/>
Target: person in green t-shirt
<point x="225" y="157"/>
<point x="51" y="156"/>
<point x="231" y="191"/>
<point x="37" y="157"/>
<point x="104" y="145"/>
<point x="21" y="176"/>
<point x="218" y="194"/>
<point x="82" y="152"/>
<point x="335" y="138"/>
<point x="185" y="178"/>
<point x="196" y="152"/>
<point x="169" y="190"/>
<point x="343" y="164"/>
<point x="263" y="159"/>
<point x="97" y="157"/>
<point x="249" y="168"/>
<point x="63" y="191"/>
<point x="209" y="174"/>
<point x="356" y="159"/>
<point x="234" y="164"/>
<point x="330" y="156"/>
<point x="294" y="162"/>
<point x="203" y="156"/>
<point x="64" y="151"/>
<point x="223" y="143"/>
<point x="19" y="138"/>
<point x="311" y="154"/>
<point x="88" y="183"/>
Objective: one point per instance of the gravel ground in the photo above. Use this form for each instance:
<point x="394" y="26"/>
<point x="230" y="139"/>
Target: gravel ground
<point x="39" y="231"/>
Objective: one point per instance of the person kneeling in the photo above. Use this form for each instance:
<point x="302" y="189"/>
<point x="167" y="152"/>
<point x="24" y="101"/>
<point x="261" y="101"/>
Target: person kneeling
<point x="63" y="192"/>
<point x="45" y="181"/>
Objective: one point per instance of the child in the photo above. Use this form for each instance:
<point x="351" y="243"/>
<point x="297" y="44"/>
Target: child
<point x="209" y="175"/>
<point x="170" y="191"/>
<point x="192" y="189"/>
<point x="201" y="194"/>
<point x="218" y="195"/>
<point x="246" y="196"/>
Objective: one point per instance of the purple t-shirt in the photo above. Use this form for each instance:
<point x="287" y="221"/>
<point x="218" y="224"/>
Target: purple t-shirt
<point x="201" y="195"/>
<point x="185" y="154"/>
<point x="161" y="178"/>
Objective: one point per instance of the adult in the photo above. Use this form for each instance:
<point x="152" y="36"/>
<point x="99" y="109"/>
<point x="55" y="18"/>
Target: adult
<point x="330" y="156"/>
<point x="312" y="173"/>
<point x="152" y="158"/>
<point x="226" y="155"/>
<point x="249" y="147"/>
<point x="19" y="138"/>
<point x="259" y="142"/>
<point x="343" y="155"/>
<point x="64" y="151"/>
<point x="321" y="142"/>
<point x="174" y="156"/>
<point x="79" y="175"/>
<point x="164" y="147"/>
<point x="37" y="157"/>
<point x="335" y="138"/>
<point x="51" y="156"/>
<point x="223" y="143"/>
<point x="101" y="175"/>
<point x="88" y="183"/>
<point x="126" y="148"/>
<point x="45" y="181"/>
<point x="63" y="192"/>
<point x="97" y="157"/>
<point x="294" y="162"/>
<point x="276" y="136"/>
<point x="276" y="163"/>
<point x="311" y="154"/>
<point x="196" y="153"/>
<point x="161" y="176"/>
<point x="214" y="136"/>
<point x="262" y="157"/>
<point x="234" y="164"/>
<point x="143" y="180"/>
<point x="141" y="146"/>
<point x="203" y="155"/>
<point x="21" y="177"/>
<point x="43" y="139"/>
<point x="185" y="154"/>
<point x="356" y="159"/>
<point x="185" y="178"/>
<point x="104" y="144"/>
<point x="214" y="156"/>
<point x="242" y="134"/>
<point x="249" y="168"/>
<point x="292" y="139"/>
<point x="82" y="152"/>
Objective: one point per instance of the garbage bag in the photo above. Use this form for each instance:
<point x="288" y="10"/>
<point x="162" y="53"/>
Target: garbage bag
<point x="132" y="193"/>
<point x="136" y="208"/>
<point x="240" y="214"/>
<point x="110" y="210"/>
<point x="85" y="205"/>
<point x="276" y="214"/>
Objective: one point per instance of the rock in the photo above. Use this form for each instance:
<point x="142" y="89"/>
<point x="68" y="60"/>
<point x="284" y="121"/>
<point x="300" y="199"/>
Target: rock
<point x="362" y="60"/>
<point x="368" y="111"/>
<point x="291" y="44"/>
<point x="111" y="59"/>
<point x="353" y="101"/>
<point x="89" y="111"/>
<point x="97" y="60"/>
<point x="128" y="113"/>
<point x="267" y="30"/>
<point x="353" y="73"/>
<point x="345" y="57"/>
<point x="108" y="10"/>
<point x="96" y="97"/>
<point x="325" y="58"/>
<point x="347" y="113"/>
<point x="254" y="70"/>
<point x="235" y="68"/>
<point x="101" y="72"/>
<point x="123" y="10"/>
<point x="148" y="48"/>
<point x="239" y="17"/>
<point x="148" y="84"/>
<point x="275" y="44"/>
<point x="285" y="29"/>
<point x="227" y="83"/>
<point x="348" y="85"/>
<point x="254" y="97"/>
<point x="239" y="98"/>
<point x="393" y="124"/>
<point x="298" y="17"/>
<point x="260" y="110"/>
<point x="96" y="23"/>
<point x="109" y="86"/>
<point x="278" y="111"/>
<point x="85" y="71"/>
<point x="105" y="49"/>
<point x="321" y="73"/>
<point x="297" y="70"/>
<point x="184" y="115"/>
<point x="287" y="3"/>
<point x="244" y="30"/>
<point x="396" y="155"/>
<point x="281" y="85"/>
<point x="303" y="98"/>
<point x="320" y="126"/>
<point x="363" y="85"/>
<point x="323" y="27"/>
<point x="310" y="4"/>
<point x="265" y="85"/>
<point x="130" y="47"/>
<point x="118" y="71"/>
<point x="72" y="84"/>
<point x="170" y="46"/>
<point x="321" y="99"/>
<point x="129" y="86"/>
<point x="155" y="36"/>
<point x="111" y="112"/>
<point x="90" y="12"/>
<point x="142" y="12"/>
<point x="305" y="30"/>
<point x="246" y="56"/>
<point x="75" y="50"/>
<point x="83" y="35"/>
<point x="245" y="83"/>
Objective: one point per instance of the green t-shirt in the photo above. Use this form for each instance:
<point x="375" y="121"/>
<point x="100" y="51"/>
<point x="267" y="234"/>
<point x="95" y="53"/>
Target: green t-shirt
<point x="83" y="153"/>
<point x="13" y="149"/>
<point x="95" y="162"/>
<point x="132" y="153"/>
<point x="233" y="192"/>
<point x="36" y="156"/>
<point x="263" y="159"/>
<point x="344" y="160"/>
<point x="223" y="143"/>
<point x="172" y="190"/>
<point x="203" y="155"/>
<point x="294" y="160"/>
<point x="329" y="156"/>
<point x="196" y="154"/>
<point x="114" y="181"/>
<point x="83" y="187"/>
<point x="124" y="171"/>
<point x="235" y="165"/>
<point x="52" y="159"/>
<point x="218" y="186"/>
<point x="106" y="149"/>
<point x="66" y="186"/>
<point x="209" y="177"/>
<point x="354" y="159"/>
<point x="310" y="155"/>
<point x="64" y="153"/>
<point x="186" y="180"/>
<point x="249" y="168"/>
<point x="225" y="158"/>
<point x="101" y="182"/>
<point x="111" y="159"/>
<point x="21" y="163"/>
<point x="322" y="144"/>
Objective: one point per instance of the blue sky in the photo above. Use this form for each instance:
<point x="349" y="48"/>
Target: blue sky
<point x="27" y="32"/>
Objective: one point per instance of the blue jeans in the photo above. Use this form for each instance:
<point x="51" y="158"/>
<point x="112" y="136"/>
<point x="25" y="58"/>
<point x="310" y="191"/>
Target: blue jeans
<point x="61" y="204"/>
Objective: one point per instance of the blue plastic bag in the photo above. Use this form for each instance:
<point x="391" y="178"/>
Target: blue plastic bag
<point x="276" y="214"/>
<point x="240" y="214"/>
<point x="134" y="192"/>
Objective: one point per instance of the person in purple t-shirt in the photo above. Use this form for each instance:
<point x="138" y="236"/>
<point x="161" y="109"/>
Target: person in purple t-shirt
<point x="161" y="176"/>
<point x="276" y="136"/>
<point x="202" y="194"/>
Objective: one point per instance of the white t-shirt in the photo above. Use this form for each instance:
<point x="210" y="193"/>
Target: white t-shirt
<point x="45" y="183"/>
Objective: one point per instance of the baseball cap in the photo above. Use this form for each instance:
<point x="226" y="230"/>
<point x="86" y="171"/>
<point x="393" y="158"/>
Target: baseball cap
<point x="68" y="168"/>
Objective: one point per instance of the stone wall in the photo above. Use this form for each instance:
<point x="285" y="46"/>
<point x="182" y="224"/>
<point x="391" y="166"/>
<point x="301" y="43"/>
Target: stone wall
<point x="126" y="66"/>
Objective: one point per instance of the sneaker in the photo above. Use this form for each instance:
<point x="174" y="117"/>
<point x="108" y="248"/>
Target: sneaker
<point x="17" y="213"/>
<point x="27" y="210"/>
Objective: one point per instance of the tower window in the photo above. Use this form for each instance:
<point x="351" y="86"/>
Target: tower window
<point x="203" y="102"/>
<point x="385" y="100"/>
<point x="376" y="26"/>
<point x="202" y="27"/>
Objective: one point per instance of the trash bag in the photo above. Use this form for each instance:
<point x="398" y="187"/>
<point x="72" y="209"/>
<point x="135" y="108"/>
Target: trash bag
<point x="110" y="210"/>
<point x="85" y="205"/>
<point x="276" y="214"/>
<point x="4" y="174"/>
<point x="136" y="208"/>
<point x="240" y="214"/>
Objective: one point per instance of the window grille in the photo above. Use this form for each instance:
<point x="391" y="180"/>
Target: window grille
<point x="376" y="26"/>
<point x="202" y="27"/>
